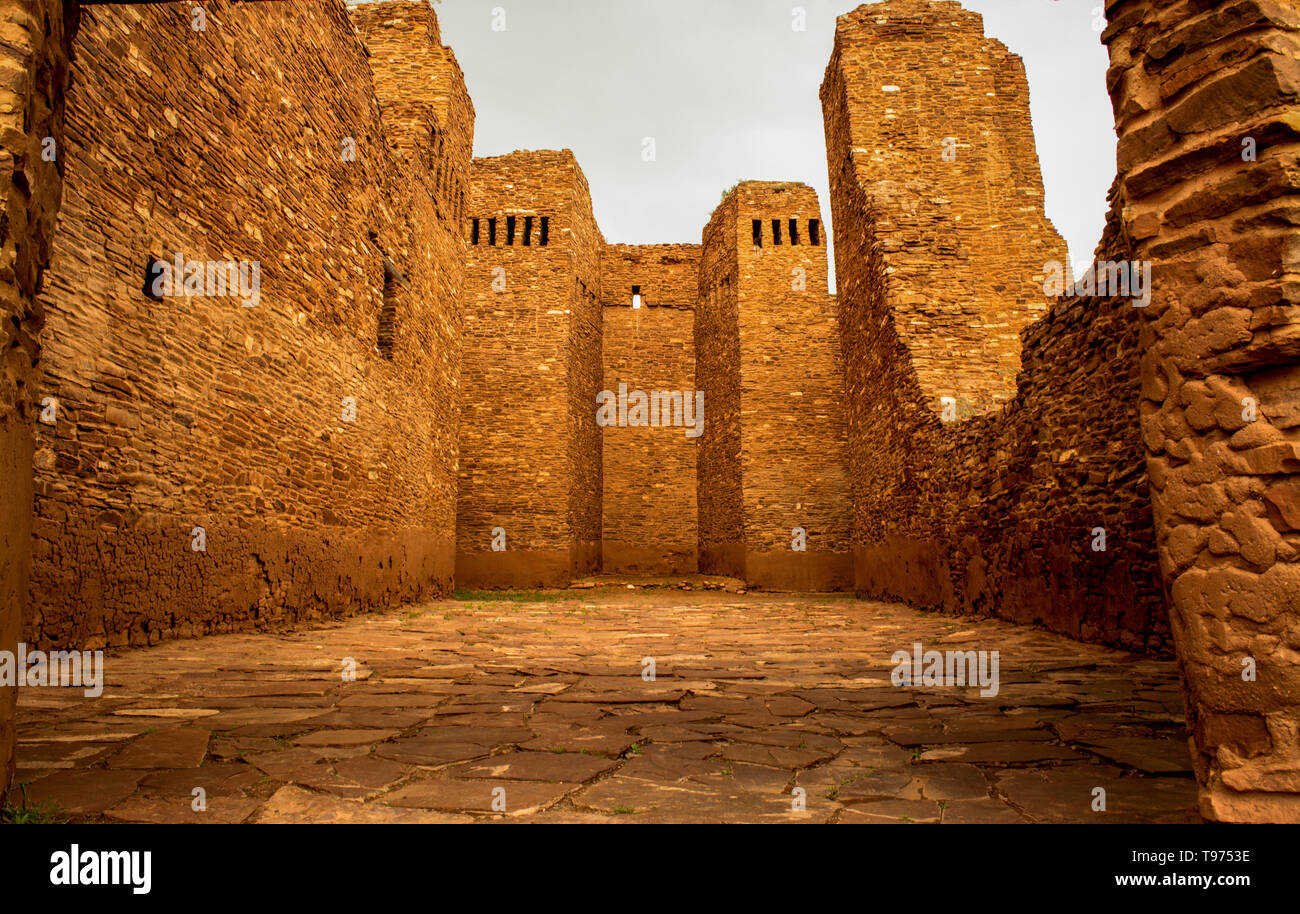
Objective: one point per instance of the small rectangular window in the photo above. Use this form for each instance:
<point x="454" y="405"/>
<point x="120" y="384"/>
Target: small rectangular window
<point x="776" y="231"/>
<point x="492" y="232"/>
<point x="528" y="231"/>
<point x="474" y="233"/>
<point x="546" y="230"/>
<point x="758" y="233"/>
<point x="510" y="230"/>
<point x="814" y="233"/>
<point x="794" y="231"/>
<point x="636" y="296"/>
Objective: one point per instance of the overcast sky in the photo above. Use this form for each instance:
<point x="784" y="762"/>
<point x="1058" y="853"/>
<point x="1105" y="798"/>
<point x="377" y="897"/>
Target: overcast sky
<point x="729" y="92"/>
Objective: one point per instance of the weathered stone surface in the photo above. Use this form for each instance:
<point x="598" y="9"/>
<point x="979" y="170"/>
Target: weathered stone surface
<point x="715" y="755"/>
<point x="521" y="798"/>
<point x="176" y="748"/>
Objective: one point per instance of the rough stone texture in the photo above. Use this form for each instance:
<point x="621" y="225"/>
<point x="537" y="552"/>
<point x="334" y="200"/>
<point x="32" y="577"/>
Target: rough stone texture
<point x="992" y="513"/>
<point x="530" y="447"/>
<point x="35" y="48"/>
<point x="198" y="412"/>
<point x="649" y="504"/>
<point x="934" y="118"/>
<point x="1194" y="86"/>
<point x="772" y="457"/>
<point x="541" y="708"/>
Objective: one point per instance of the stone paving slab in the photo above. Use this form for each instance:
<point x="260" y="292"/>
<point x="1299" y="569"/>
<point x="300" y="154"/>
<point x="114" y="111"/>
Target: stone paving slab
<point x="764" y="708"/>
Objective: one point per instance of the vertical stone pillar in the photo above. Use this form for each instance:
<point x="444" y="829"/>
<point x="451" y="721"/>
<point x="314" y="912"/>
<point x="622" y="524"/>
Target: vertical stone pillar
<point x="1205" y="98"/>
<point x="34" y="53"/>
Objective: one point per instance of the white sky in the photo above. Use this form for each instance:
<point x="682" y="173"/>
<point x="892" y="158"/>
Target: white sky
<point x="729" y="92"/>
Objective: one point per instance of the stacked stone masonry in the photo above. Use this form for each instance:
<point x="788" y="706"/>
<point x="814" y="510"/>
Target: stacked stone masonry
<point x="998" y="513"/>
<point x="225" y="460"/>
<point x="529" y="509"/>
<point x="649" y="506"/>
<point x="774" y="504"/>
<point x="410" y="400"/>
<point x="35" y="53"/>
<point x="1207" y="108"/>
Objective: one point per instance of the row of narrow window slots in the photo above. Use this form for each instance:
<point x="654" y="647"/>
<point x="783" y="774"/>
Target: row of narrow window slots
<point x="488" y="230"/>
<point x="512" y="225"/>
<point x="791" y="235"/>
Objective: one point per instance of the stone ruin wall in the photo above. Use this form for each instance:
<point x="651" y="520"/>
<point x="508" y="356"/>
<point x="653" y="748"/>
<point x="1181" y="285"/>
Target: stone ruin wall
<point x="530" y="448"/>
<point x="937" y="121"/>
<point x="424" y="104"/>
<point x="1207" y="107"/>
<point x="769" y="363"/>
<point x="995" y="513"/>
<point x="649" y="506"/>
<point x="717" y="373"/>
<point x="34" y="54"/>
<point x="198" y="412"/>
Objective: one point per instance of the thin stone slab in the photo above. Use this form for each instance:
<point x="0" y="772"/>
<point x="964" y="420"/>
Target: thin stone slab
<point x="176" y="748"/>
<point x="483" y="797"/>
<point x="554" y="767"/>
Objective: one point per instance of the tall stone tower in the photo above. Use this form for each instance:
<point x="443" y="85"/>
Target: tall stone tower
<point x="773" y="489"/>
<point x="529" y="508"/>
<point x="927" y="123"/>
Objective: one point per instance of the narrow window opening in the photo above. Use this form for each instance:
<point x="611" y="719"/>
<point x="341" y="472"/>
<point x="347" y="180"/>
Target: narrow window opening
<point x="758" y="233"/>
<point x="776" y="231"/>
<point x="474" y="233"/>
<point x="794" y="231"/>
<point x="636" y="296"/>
<point x="388" y="316"/>
<point x="528" y="231"/>
<point x="510" y="229"/>
<point x="546" y="230"/>
<point x="814" y="231"/>
<point x="153" y="270"/>
<point x="492" y="232"/>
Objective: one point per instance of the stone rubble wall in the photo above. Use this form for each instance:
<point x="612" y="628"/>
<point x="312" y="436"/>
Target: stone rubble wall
<point x="1207" y="108"/>
<point x="35" y="50"/>
<point x="992" y="514"/>
<point x="650" y="508"/>
<point x="227" y="144"/>
<point x="530" y="447"/>
<point x="781" y="432"/>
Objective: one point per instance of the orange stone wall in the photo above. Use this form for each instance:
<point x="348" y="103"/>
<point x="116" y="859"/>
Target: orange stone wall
<point x="35" y="54"/>
<point x="650" y="510"/>
<point x="530" y="446"/>
<point x="773" y="453"/>
<point x="1207" y="107"/>
<point x="997" y="512"/>
<point x="197" y="412"/>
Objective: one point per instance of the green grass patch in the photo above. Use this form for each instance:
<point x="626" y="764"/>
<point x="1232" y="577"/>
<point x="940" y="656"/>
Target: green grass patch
<point x="46" y="814"/>
<point x="509" y="596"/>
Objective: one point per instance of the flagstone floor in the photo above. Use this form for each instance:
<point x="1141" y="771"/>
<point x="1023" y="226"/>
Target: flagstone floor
<point x="763" y="708"/>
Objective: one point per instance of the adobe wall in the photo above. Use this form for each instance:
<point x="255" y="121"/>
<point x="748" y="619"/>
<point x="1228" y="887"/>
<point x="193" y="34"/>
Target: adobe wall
<point x="197" y="412"/>
<point x="35" y="53"/>
<point x="1206" y="107"/>
<point x="996" y="513"/>
<point x="530" y="447"/>
<point x="773" y="452"/>
<point x="650" y="509"/>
